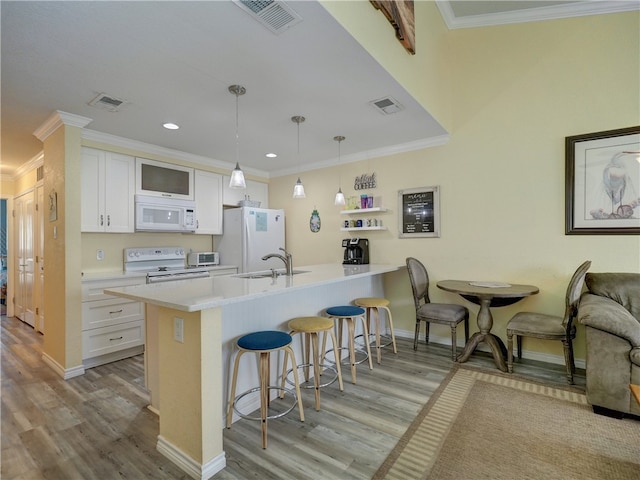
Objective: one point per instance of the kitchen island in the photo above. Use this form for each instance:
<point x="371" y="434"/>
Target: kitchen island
<point x="193" y="362"/>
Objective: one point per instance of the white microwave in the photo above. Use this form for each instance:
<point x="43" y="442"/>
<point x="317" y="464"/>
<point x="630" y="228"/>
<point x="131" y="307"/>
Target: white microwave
<point x="154" y="214"/>
<point x="160" y="179"/>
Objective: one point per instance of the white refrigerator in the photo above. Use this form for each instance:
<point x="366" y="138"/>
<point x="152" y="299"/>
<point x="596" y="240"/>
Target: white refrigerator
<point x="248" y="234"/>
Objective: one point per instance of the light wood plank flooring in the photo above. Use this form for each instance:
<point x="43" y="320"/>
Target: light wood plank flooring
<point x="96" y="426"/>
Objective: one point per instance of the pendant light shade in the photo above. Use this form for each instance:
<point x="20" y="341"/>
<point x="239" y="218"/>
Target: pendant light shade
<point x="298" y="188"/>
<point x="237" y="176"/>
<point x="339" y="200"/>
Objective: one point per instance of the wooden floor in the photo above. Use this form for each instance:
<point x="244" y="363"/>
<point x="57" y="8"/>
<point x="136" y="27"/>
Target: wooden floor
<point x="96" y="426"/>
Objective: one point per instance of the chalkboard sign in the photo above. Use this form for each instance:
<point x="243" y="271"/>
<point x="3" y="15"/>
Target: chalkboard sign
<point x="419" y="212"/>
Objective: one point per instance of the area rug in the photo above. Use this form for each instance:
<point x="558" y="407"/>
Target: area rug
<point x="496" y="426"/>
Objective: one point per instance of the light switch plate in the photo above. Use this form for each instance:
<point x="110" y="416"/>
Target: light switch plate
<point x="178" y="329"/>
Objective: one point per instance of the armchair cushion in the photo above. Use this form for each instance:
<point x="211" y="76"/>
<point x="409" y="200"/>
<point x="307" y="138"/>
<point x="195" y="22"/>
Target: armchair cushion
<point x="609" y="316"/>
<point x="623" y="288"/>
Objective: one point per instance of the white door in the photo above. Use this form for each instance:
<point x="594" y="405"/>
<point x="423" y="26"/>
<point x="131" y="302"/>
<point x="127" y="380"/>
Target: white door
<point x="25" y="209"/>
<point x="41" y="210"/>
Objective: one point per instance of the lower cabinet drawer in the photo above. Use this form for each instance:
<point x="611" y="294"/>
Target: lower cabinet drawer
<point x="104" y="313"/>
<point x="100" y="341"/>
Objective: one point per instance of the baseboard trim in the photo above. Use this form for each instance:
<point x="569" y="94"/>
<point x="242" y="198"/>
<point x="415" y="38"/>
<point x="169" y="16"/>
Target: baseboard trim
<point x="188" y="464"/>
<point x="65" y="373"/>
<point x="113" y="356"/>
<point x="528" y="354"/>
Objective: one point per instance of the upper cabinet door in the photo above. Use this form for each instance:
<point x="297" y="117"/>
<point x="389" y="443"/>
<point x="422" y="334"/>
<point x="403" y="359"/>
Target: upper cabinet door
<point x="208" y="196"/>
<point x="92" y="191"/>
<point x="107" y="192"/>
<point x="119" y="193"/>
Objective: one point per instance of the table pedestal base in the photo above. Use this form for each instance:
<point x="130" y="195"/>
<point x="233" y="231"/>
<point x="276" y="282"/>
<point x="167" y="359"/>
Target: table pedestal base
<point x="497" y="346"/>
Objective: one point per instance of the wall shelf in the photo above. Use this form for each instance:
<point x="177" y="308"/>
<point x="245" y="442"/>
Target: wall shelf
<point x="363" y="210"/>
<point x="355" y="229"/>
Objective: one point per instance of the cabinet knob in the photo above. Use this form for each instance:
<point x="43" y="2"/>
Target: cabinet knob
<point x="101" y="220"/>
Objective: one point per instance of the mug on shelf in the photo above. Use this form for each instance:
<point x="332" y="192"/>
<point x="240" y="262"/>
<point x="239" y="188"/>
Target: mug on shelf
<point x="358" y="223"/>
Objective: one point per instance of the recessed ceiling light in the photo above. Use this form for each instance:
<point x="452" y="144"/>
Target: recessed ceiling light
<point x="170" y="126"/>
<point x="271" y="155"/>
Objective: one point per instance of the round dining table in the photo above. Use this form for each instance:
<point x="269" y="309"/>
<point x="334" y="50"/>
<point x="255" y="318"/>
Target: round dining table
<point x="487" y="295"/>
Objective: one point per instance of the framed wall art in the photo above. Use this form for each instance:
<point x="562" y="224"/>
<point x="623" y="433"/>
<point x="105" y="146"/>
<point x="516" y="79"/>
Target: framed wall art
<point x="603" y="183"/>
<point x="400" y="13"/>
<point x="419" y="212"/>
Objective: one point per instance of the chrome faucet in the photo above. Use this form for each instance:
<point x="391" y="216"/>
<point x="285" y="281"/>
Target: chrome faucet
<point x="286" y="258"/>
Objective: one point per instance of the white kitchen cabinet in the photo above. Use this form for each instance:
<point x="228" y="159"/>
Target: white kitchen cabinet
<point x="208" y="195"/>
<point x="107" y="192"/>
<point x="113" y="328"/>
<point x="256" y="191"/>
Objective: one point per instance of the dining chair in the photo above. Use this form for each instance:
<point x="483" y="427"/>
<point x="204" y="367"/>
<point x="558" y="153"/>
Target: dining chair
<point x="442" y="313"/>
<point x="550" y="327"/>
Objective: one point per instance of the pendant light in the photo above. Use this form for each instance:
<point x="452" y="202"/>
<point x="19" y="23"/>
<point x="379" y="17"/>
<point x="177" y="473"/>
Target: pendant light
<point x="298" y="188"/>
<point x="339" y="201"/>
<point x="237" y="177"/>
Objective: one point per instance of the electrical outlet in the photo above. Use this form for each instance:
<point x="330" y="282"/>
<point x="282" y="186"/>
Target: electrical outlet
<point x="178" y="329"/>
<point x="100" y="254"/>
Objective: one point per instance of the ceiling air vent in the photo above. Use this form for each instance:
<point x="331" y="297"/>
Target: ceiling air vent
<point x="276" y="16"/>
<point x="386" y="105"/>
<point x="107" y="102"/>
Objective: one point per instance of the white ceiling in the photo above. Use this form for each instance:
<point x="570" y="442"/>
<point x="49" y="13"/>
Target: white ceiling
<point x="174" y="61"/>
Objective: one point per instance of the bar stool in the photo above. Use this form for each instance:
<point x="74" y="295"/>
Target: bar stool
<point x="349" y="314"/>
<point x="374" y="304"/>
<point x="263" y="343"/>
<point x="310" y="327"/>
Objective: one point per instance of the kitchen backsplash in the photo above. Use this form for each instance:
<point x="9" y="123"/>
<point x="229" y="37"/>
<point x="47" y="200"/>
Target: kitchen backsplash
<point x="113" y="244"/>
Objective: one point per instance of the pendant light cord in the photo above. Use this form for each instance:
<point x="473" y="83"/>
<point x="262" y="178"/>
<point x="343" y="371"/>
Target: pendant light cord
<point x="237" y="132"/>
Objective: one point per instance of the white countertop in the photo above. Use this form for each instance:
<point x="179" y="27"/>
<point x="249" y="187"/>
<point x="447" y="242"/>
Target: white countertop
<point x="202" y="293"/>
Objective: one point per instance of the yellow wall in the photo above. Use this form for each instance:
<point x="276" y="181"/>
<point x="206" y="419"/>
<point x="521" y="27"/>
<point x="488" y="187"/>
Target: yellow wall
<point x="6" y="188"/>
<point x="517" y="91"/>
<point x="62" y="292"/>
<point x="425" y="75"/>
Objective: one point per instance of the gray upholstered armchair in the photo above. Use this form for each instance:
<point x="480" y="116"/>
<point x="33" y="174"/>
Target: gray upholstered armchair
<point x="610" y="310"/>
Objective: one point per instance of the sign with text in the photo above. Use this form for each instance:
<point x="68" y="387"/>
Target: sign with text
<point x="420" y="215"/>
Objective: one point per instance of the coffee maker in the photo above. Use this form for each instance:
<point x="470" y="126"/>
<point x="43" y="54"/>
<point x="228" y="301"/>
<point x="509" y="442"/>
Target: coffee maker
<point x="356" y="251"/>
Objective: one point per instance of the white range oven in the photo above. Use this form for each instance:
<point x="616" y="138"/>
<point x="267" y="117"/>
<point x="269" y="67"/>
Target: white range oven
<point x="162" y="264"/>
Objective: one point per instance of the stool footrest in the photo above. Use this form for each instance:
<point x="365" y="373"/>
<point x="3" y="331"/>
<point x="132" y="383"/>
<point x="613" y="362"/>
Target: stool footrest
<point x="384" y="337"/>
<point x="323" y="367"/>
<point x="281" y="390"/>
<point x="346" y="361"/>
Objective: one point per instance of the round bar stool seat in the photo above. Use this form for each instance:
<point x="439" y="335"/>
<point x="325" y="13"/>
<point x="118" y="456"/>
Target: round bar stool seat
<point x="349" y="314"/>
<point x="264" y="343"/>
<point x="374" y="304"/>
<point x="310" y="327"/>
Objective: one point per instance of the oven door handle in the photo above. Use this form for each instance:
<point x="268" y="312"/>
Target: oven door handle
<point x="179" y="276"/>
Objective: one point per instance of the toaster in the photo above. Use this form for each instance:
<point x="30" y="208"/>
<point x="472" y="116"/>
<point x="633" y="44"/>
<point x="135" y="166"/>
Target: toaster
<point x="201" y="259"/>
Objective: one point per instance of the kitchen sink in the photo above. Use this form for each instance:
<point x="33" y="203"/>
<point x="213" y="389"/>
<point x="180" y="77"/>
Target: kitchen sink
<point x="268" y="273"/>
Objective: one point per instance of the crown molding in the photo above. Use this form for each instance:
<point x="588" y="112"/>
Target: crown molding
<point x="149" y="148"/>
<point x="56" y="120"/>
<point x="367" y="154"/>
<point x="32" y="164"/>
<point x="574" y="9"/>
